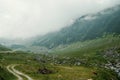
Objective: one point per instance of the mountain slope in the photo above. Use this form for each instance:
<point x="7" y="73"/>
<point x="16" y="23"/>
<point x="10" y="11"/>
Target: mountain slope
<point x="86" y="27"/>
<point x="3" y="48"/>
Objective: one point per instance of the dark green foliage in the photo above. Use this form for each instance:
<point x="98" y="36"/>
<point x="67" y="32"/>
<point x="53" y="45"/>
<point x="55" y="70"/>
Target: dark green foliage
<point x="104" y="74"/>
<point x="84" y="28"/>
<point x="0" y="56"/>
<point x="5" y="75"/>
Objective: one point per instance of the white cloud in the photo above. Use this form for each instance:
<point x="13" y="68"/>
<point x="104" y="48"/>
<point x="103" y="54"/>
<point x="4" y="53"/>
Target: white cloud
<point x="26" y="18"/>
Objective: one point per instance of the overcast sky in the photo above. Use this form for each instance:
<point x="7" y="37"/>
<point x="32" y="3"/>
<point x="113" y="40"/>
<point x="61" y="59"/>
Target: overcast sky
<point x="27" y="18"/>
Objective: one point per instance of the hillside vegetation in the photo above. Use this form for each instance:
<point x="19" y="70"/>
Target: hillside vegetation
<point x="86" y="27"/>
<point x="89" y="49"/>
<point x="5" y="75"/>
<point x="3" y="48"/>
<point x="79" y="49"/>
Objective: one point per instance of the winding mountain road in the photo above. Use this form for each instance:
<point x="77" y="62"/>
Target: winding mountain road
<point x="18" y="74"/>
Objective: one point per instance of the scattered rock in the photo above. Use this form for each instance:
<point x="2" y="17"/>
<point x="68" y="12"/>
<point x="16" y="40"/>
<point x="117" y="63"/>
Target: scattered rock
<point x="89" y="79"/>
<point x="45" y="71"/>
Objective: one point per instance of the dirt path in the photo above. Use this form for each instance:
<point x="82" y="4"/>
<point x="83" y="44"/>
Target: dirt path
<point x="18" y="74"/>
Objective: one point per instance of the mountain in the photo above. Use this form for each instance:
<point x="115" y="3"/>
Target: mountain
<point x="3" y="48"/>
<point x="87" y="27"/>
<point x="15" y="44"/>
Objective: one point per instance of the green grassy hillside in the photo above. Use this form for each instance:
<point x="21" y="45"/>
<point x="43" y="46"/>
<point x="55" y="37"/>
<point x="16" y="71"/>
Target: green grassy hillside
<point x="89" y="47"/>
<point x="77" y="61"/>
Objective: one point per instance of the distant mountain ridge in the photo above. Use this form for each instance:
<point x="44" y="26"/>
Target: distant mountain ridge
<point x="3" y="48"/>
<point x="86" y="27"/>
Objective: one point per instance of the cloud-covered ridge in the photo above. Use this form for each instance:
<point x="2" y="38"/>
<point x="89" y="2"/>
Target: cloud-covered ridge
<point x="26" y="18"/>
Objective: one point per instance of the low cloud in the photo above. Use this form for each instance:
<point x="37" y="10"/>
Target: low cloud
<point x="27" y="18"/>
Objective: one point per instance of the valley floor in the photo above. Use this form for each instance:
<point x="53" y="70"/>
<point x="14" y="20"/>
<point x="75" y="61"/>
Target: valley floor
<point x="91" y="60"/>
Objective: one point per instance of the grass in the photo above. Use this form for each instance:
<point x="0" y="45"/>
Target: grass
<point x="62" y="73"/>
<point x="5" y="75"/>
<point x="90" y="51"/>
<point x="87" y="48"/>
<point x="29" y="66"/>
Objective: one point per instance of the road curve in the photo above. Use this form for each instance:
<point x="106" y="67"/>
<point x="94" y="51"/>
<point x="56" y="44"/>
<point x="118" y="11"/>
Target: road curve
<point x="11" y="71"/>
<point x="18" y="74"/>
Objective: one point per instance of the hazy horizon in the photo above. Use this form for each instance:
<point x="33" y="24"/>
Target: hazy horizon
<point x="28" y="18"/>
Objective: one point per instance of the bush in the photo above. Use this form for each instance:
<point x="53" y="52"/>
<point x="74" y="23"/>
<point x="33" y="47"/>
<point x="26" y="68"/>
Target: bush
<point x="104" y="74"/>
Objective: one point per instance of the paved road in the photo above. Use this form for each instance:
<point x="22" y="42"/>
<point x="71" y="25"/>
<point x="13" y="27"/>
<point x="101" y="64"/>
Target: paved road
<point x="18" y="74"/>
